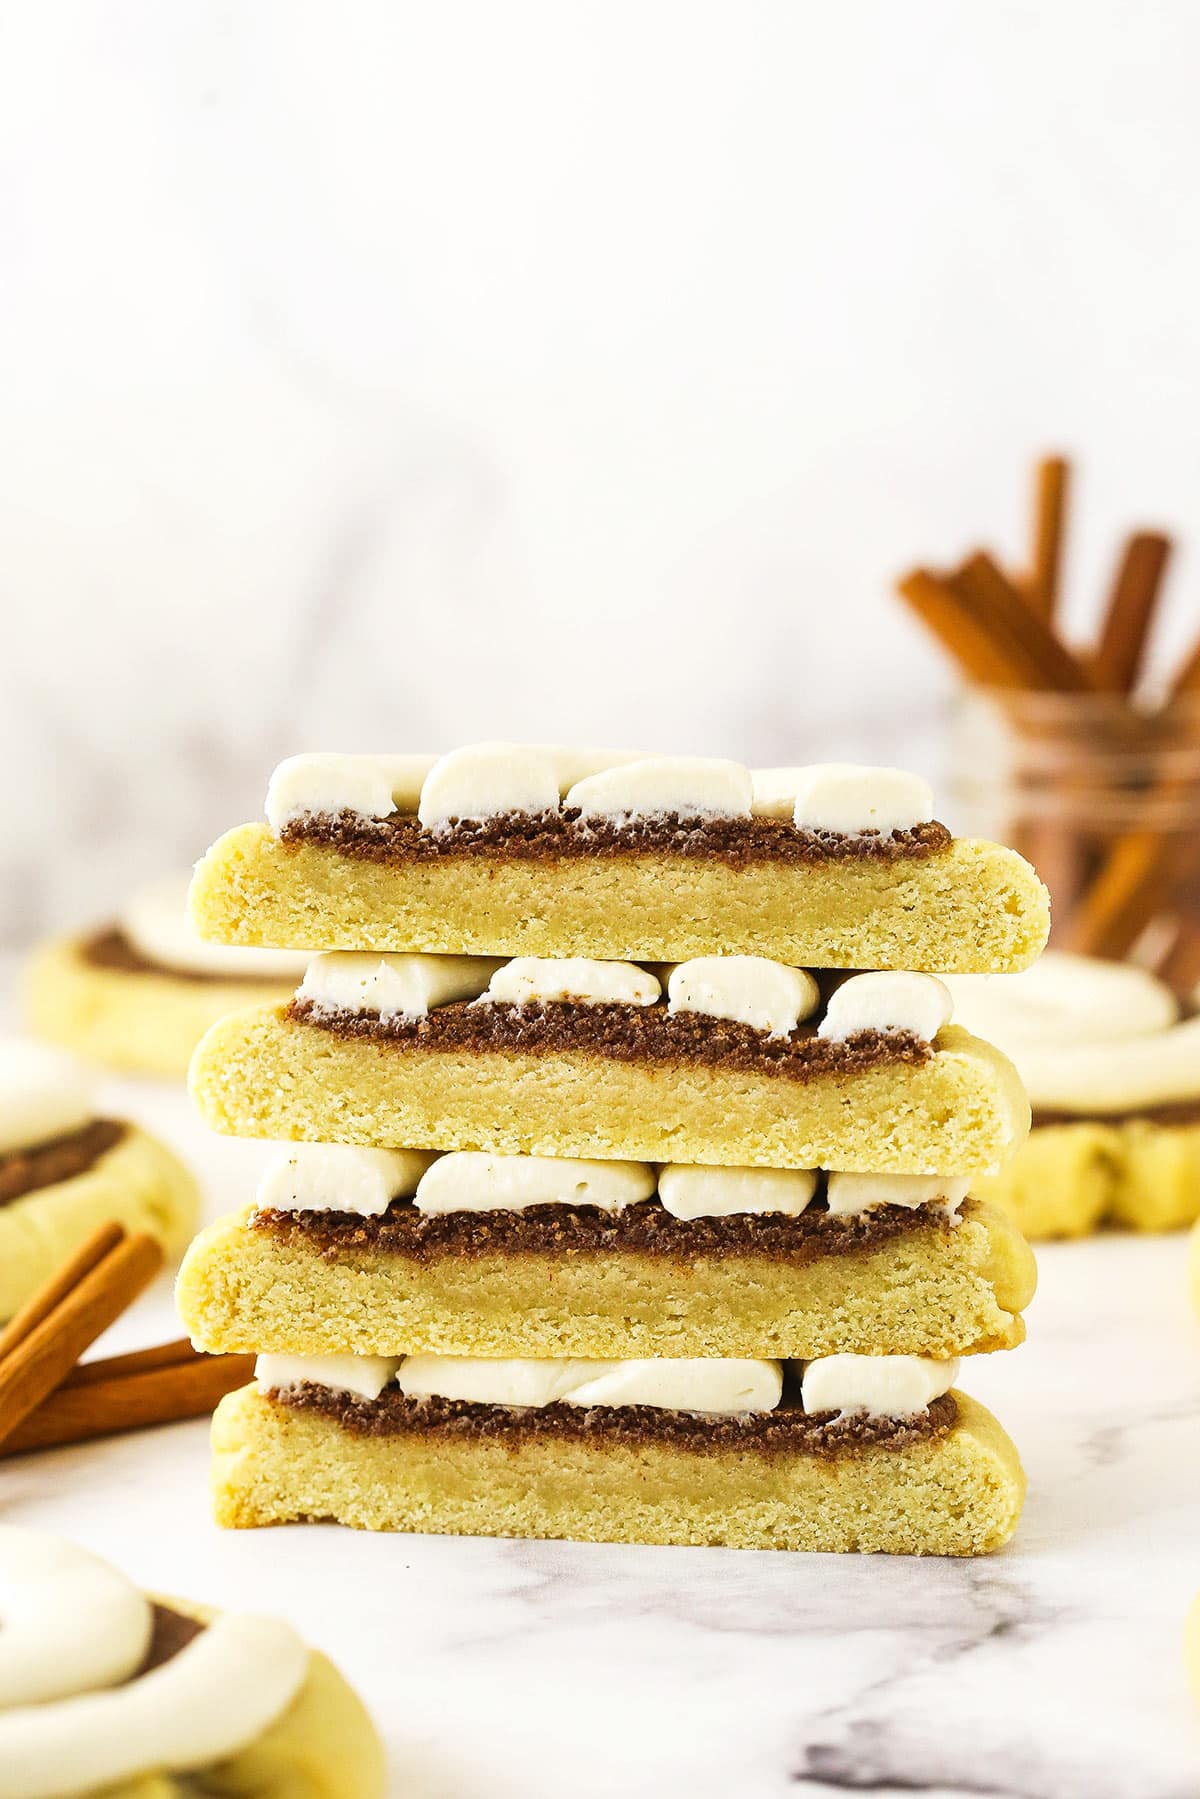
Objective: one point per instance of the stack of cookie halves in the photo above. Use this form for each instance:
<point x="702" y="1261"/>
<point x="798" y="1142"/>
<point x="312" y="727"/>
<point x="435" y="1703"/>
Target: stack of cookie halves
<point x="623" y="1182"/>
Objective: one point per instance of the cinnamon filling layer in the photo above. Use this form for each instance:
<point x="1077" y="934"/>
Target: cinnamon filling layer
<point x="24" y="1171"/>
<point x="787" y="1430"/>
<point x="556" y="1231"/>
<point x="172" y="1631"/>
<point x="562" y="835"/>
<point x="1176" y="1112"/>
<point x="624" y="1034"/>
<point x="112" y="949"/>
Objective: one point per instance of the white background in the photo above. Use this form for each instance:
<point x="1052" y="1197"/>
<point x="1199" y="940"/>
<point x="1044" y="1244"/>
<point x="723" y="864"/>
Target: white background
<point x="388" y="375"/>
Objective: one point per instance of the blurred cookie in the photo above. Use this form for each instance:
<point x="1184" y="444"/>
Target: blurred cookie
<point x="139" y="994"/>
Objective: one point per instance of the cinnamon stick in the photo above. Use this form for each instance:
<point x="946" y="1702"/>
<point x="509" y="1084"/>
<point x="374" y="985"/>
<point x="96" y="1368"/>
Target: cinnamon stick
<point x="1135" y="883"/>
<point x="138" y="1361"/>
<point x="157" y="1386"/>
<point x="1051" y="483"/>
<point x="1119" y="654"/>
<point x="90" y="1252"/>
<point x="43" y="1357"/>
<point x="974" y="646"/>
<point x="1047" y="664"/>
<point x="1186" y="684"/>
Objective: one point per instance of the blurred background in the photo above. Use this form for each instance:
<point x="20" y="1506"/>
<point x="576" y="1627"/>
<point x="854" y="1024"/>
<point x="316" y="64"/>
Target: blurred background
<point x="392" y="375"/>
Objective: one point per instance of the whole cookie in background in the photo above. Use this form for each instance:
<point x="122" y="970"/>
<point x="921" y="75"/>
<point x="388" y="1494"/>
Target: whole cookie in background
<point x="107" y="1690"/>
<point x="137" y="995"/>
<point x="1113" y="1075"/>
<point x="64" y="1170"/>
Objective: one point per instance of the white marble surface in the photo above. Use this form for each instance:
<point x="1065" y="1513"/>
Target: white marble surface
<point x="533" y="1670"/>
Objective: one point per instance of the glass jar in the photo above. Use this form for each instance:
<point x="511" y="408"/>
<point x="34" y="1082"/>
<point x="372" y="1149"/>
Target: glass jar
<point x="1104" y="800"/>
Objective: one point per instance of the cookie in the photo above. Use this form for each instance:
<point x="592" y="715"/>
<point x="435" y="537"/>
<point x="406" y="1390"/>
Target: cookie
<point x="1114" y="1080"/>
<point x="138" y="995"/>
<point x="946" y="1483"/>
<point x="537" y="850"/>
<point x="107" y="1690"/>
<point x="574" y="1280"/>
<point x="64" y="1170"/>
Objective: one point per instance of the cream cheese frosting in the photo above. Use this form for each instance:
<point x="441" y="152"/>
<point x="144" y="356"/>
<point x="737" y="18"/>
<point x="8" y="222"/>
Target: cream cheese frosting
<point x="849" y="1194"/>
<point x="887" y="1001"/>
<point x="468" y="1180"/>
<point x="157" y="923"/>
<point x="1088" y="1037"/>
<point x="715" y="1385"/>
<point x="768" y="996"/>
<point x="489" y="780"/>
<point x="689" y="1191"/>
<point x="322" y="783"/>
<point x="340" y="1177"/>
<point x="43" y="1095"/>
<point x="74" y="1714"/>
<point x="875" y="1386"/>
<point x="884" y="1386"/>
<point x="363" y="1375"/>
<point x="689" y="786"/>
<point x="392" y="986"/>
<point x="771" y="997"/>
<point x="334" y="1177"/>
<point x="573" y="980"/>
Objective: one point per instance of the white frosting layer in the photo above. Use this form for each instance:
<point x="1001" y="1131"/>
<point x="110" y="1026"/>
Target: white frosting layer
<point x="73" y="1632"/>
<point x="576" y="980"/>
<point x="689" y="1191"/>
<point x="42" y="1095"/>
<point x="338" y="1177"/>
<point x="1115" y="1077"/>
<point x="486" y="780"/>
<point x="881" y="1386"/>
<point x="156" y="922"/>
<point x="220" y="1693"/>
<point x="1063" y="1000"/>
<point x="68" y="1621"/>
<point x="392" y="986"/>
<point x="712" y="1385"/>
<point x="469" y="1180"/>
<point x="365" y="1375"/>
<point x="919" y="1003"/>
<point x="1087" y="1036"/>
<point x="767" y="996"/>
<point x="847" y="800"/>
<point x="368" y="786"/>
<point x="847" y="1194"/>
<point x="692" y="786"/>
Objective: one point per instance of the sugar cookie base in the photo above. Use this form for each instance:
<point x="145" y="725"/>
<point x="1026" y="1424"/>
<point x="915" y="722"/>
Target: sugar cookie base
<point x="960" y="1494"/>
<point x="263" y="1074"/>
<point x="974" y="907"/>
<point x="1067" y="1180"/>
<point x="324" y="1746"/>
<point x="139" y="1182"/>
<point x="927" y="1292"/>
<point x="137" y="1023"/>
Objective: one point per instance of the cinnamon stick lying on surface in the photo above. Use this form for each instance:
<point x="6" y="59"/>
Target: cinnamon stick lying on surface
<point x="62" y="1282"/>
<point x="1126" y="628"/>
<point x="70" y="1315"/>
<point x="162" y="1385"/>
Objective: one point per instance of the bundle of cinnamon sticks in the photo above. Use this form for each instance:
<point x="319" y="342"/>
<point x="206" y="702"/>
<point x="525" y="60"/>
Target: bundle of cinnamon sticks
<point x="999" y="627"/>
<point x="48" y="1397"/>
